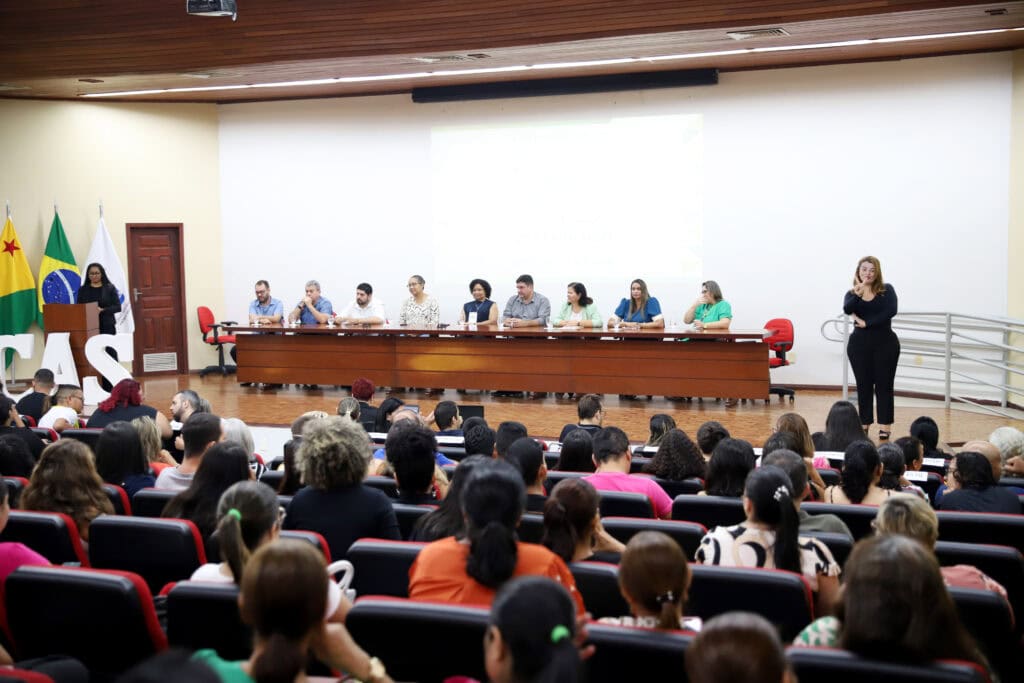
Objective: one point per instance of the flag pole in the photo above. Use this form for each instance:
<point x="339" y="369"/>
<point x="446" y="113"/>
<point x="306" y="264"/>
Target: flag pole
<point x="8" y="208"/>
<point x="101" y="208"/>
<point x="55" y="206"/>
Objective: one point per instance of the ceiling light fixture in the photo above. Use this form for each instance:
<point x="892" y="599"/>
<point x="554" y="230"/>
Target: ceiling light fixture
<point x="556" y="65"/>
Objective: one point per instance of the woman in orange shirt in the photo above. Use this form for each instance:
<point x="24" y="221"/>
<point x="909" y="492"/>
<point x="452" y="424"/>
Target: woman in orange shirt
<point x="468" y="571"/>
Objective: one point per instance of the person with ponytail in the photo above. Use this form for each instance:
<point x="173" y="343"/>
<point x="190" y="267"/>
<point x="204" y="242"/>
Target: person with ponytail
<point x="862" y="470"/>
<point x="572" y="524"/>
<point x="249" y="517"/>
<point x="469" y="570"/>
<point x="654" y="579"/>
<point x="769" y="538"/>
<point x="283" y="599"/>
<point x="349" y="407"/>
<point x="531" y="636"/>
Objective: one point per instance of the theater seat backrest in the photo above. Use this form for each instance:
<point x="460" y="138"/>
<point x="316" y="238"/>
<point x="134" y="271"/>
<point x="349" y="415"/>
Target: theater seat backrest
<point x="781" y="597"/>
<point x="205" y="615"/>
<point x="840" y="666"/>
<point x="382" y="567"/>
<point x="158" y="550"/>
<point x="105" y="619"/>
<point x="53" y="535"/>
<point x="624" y="653"/>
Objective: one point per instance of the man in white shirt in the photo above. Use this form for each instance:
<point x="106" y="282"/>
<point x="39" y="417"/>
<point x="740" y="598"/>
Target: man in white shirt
<point x="199" y="432"/>
<point x="68" y="402"/>
<point x="364" y="310"/>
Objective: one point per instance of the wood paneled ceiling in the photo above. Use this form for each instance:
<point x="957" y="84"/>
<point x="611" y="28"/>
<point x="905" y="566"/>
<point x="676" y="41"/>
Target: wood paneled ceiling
<point x="70" y="48"/>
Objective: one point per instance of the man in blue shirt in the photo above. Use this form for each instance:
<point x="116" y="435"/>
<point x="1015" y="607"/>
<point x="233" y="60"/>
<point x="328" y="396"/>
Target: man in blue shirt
<point x="265" y="309"/>
<point x="313" y="309"/>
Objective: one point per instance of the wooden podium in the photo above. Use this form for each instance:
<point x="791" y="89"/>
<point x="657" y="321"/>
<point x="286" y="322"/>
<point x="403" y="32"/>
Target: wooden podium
<point x="81" y="321"/>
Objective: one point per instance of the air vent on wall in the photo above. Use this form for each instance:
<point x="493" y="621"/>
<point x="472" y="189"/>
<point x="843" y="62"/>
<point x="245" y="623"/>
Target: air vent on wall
<point x="441" y="59"/>
<point x="758" y="33"/>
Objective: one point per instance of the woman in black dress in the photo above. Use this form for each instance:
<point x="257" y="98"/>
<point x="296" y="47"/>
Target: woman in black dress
<point x="873" y="347"/>
<point x="98" y="289"/>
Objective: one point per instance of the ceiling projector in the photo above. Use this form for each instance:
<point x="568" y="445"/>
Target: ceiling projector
<point x="212" y="8"/>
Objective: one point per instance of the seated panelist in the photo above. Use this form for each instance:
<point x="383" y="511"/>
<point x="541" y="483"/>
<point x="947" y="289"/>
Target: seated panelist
<point x="312" y="309"/>
<point x="481" y="310"/>
<point x="265" y="309"/>
<point x="640" y="310"/>
<point x="710" y="311"/>
<point x="579" y="309"/>
<point x="363" y="310"/>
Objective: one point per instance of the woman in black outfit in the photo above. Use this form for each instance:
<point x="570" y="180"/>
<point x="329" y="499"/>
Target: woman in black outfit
<point x="98" y="289"/>
<point x="873" y="347"/>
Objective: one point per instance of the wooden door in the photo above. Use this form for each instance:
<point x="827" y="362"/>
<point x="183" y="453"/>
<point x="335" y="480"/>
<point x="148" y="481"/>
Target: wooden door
<point x="156" y="277"/>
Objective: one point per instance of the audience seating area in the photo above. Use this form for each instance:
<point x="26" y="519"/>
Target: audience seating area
<point x="92" y="598"/>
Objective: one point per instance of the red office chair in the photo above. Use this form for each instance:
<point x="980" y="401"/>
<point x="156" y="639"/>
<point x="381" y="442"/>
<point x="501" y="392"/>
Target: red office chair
<point x="780" y="340"/>
<point x="212" y="336"/>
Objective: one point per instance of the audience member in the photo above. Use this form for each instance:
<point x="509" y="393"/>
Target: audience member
<point x="299" y="423"/>
<point x="223" y="465"/>
<point x="654" y="579"/>
<point x="184" y="405"/>
<point x="894" y="607"/>
<point x="409" y="417"/>
<point x="910" y="516"/>
<point x="795" y="467"/>
<point x="677" y="458"/>
<point x="731" y="462"/>
<point x="842" y="427"/>
<point x="659" y="426"/>
<point x="479" y="440"/>
<point x="507" y="433"/>
<point x="120" y="459"/>
<point x="348" y="408"/>
<point x="125" y="404"/>
<point x="283" y="598"/>
<point x="708" y="436"/>
<point x="528" y="457"/>
<point x="410" y="448"/>
<point x="199" y="433"/>
<point x="36" y="403"/>
<point x="572" y="524"/>
<point x="972" y="488"/>
<point x="15" y="458"/>
<point x="1010" y="443"/>
<point x="292" y="480"/>
<point x="249" y="517"/>
<point x="333" y="460"/>
<point x="927" y="430"/>
<point x="577" y="454"/>
<point x="532" y="634"/>
<point x="862" y="470"/>
<point x="894" y="467"/>
<point x="362" y="391"/>
<point x="470" y="570"/>
<point x="152" y="445"/>
<point x="770" y="537"/>
<point x="789" y="441"/>
<point x="68" y="402"/>
<point x="14" y="555"/>
<point x="913" y="452"/>
<point x="236" y="431"/>
<point x="590" y="413"/>
<point x="65" y="480"/>
<point x="11" y="425"/>
<point x="447" y="519"/>
<point x="384" y="412"/>
<point x="612" y="458"/>
<point x="712" y="657"/>
<point x="447" y="419"/>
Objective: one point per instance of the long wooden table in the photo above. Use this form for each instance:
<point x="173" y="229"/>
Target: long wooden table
<point x="659" y="362"/>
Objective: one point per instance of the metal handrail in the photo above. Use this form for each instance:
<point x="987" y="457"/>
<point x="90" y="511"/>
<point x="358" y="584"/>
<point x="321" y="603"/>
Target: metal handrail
<point x="975" y="352"/>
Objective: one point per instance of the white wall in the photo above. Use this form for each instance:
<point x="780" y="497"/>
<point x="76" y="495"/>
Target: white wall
<point x="805" y="170"/>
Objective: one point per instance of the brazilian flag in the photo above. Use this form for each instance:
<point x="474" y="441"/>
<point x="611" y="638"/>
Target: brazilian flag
<point x="17" y="287"/>
<point x="59" y="277"/>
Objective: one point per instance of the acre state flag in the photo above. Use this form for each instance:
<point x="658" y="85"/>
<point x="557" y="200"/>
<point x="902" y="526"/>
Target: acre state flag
<point x="59" y="278"/>
<point x="17" y="287"/>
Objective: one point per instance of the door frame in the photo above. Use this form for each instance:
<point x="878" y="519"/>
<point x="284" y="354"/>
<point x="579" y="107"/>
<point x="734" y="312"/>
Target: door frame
<point x="183" y="367"/>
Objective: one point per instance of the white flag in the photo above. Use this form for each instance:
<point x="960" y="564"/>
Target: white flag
<point x="102" y="252"/>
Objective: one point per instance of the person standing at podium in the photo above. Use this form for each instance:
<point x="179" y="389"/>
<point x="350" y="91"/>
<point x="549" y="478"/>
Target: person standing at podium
<point x="100" y="290"/>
